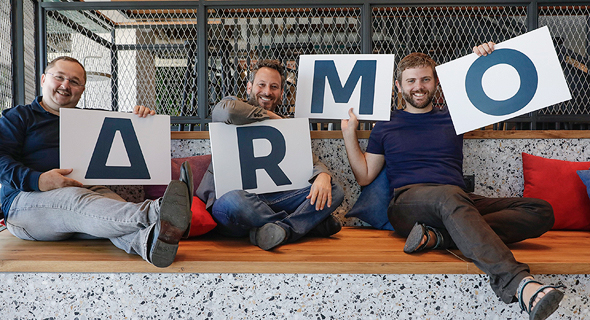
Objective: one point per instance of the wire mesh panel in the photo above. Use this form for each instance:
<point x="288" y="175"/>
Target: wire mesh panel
<point x="151" y="56"/>
<point x="154" y="60"/>
<point x="570" y="29"/>
<point x="85" y="36"/>
<point x="5" y="56"/>
<point x="132" y="57"/>
<point x="239" y="37"/>
<point x="444" y="33"/>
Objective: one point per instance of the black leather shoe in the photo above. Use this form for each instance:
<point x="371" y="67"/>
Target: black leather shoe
<point x="268" y="236"/>
<point x="175" y="216"/>
<point x="330" y="226"/>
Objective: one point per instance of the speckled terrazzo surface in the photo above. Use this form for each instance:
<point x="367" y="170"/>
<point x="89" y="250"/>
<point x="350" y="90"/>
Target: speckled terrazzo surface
<point x="275" y="296"/>
<point x="498" y="171"/>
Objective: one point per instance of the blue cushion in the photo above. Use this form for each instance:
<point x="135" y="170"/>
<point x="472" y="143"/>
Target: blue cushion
<point x="371" y="206"/>
<point x="585" y="176"/>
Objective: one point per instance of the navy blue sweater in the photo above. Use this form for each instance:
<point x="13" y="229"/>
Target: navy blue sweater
<point x="29" y="146"/>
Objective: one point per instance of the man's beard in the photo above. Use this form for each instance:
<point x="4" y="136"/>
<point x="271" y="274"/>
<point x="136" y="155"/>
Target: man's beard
<point x="410" y="99"/>
<point x="253" y="100"/>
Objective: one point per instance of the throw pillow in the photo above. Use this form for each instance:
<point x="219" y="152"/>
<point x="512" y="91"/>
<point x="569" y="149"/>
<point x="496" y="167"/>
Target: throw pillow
<point x="556" y="182"/>
<point x="201" y="222"/>
<point x="371" y="206"/>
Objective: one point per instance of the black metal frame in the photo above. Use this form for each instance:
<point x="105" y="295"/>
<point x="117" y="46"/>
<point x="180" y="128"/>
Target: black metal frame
<point x="203" y="5"/>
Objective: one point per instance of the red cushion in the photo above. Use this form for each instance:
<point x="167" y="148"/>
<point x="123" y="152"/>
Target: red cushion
<point x="202" y="221"/>
<point x="557" y="182"/>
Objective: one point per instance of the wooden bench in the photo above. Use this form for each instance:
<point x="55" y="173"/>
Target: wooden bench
<point x="355" y="250"/>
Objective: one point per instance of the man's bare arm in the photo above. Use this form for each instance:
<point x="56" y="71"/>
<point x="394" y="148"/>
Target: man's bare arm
<point x="365" y="166"/>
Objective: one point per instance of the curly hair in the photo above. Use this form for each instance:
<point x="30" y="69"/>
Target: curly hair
<point x="267" y="63"/>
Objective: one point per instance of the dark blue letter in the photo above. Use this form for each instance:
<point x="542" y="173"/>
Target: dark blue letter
<point x="97" y="169"/>
<point x="323" y="69"/>
<point x="249" y="163"/>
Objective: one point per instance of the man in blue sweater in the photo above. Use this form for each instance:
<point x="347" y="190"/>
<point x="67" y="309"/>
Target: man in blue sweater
<point x="41" y="203"/>
<point x="423" y="160"/>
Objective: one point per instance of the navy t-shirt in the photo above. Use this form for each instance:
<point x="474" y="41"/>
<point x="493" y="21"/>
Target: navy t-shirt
<point x="419" y="148"/>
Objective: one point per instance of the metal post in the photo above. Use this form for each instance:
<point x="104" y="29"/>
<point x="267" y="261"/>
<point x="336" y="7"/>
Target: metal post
<point x="532" y="24"/>
<point x="18" y="54"/>
<point x="366" y="29"/>
<point x="202" y="80"/>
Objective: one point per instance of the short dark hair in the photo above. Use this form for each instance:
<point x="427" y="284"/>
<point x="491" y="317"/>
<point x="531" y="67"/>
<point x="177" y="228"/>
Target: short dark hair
<point x="64" y="58"/>
<point x="415" y="60"/>
<point x="267" y="63"/>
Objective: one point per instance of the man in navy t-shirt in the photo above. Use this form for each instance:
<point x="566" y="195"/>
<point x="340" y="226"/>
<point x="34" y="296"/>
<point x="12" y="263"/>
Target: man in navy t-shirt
<point x="423" y="158"/>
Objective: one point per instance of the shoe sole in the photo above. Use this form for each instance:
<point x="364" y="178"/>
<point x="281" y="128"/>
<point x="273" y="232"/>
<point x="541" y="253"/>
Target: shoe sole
<point x="163" y="254"/>
<point x="267" y="240"/>
<point x="547" y="305"/>
<point x="414" y="239"/>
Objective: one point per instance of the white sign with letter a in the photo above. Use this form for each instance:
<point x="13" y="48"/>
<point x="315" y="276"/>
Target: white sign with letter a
<point x="329" y="85"/>
<point x="114" y="148"/>
<point x="522" y="75"/>
<point x="261" y="157"/>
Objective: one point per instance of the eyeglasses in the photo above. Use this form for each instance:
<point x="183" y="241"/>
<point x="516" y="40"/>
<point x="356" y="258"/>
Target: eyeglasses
<point x="61" y="79"/>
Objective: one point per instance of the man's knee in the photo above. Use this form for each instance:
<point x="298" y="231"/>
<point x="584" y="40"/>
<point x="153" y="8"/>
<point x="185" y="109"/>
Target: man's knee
<point x="544" y="211"/>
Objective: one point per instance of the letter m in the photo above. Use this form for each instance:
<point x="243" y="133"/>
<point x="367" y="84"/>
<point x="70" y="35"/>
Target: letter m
<point x="326" y="69"/>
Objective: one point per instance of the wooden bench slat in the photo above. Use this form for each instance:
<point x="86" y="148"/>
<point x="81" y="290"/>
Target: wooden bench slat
<point x="354" y="250"/>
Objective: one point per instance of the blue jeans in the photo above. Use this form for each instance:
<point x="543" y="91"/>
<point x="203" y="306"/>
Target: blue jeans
<point x="478" y="226"/>
<point x="238" y="211"/>
<point x="87" y="213"/>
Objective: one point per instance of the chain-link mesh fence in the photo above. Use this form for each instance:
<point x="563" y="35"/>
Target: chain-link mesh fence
<point x="570" y="31"/>
<point x="150" y="57"/>
<point x="5" y="56"/>
<point x="445" y="33"/>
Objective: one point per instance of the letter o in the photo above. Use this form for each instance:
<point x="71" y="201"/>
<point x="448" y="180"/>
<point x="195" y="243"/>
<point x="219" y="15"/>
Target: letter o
<point x="529" y="80"/>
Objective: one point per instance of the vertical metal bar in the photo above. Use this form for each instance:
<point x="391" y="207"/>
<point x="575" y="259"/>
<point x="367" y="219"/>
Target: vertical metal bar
<point x="366" y="29"/>
<point x="532" y="24"/>
<point x="202" y="46"/>
<point x="114" y="72"/>
<point x="41" y="47"/>
<point x="18" y="53"/>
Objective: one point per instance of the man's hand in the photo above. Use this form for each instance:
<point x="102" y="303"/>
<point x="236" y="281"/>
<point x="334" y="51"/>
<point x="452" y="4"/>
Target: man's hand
<point x="54" y="179"/>
<point x="143" y="111"/>
<point x="321" y="191"/>
<point x="484" y="49"/>
<point x="349" y="126"/>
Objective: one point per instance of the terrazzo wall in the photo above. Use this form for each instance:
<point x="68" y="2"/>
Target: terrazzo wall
<point x="497" y="167"/>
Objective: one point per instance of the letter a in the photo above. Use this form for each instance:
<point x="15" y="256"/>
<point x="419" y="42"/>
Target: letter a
<point x="97" y="169"/>
<point x="249" y="163"/>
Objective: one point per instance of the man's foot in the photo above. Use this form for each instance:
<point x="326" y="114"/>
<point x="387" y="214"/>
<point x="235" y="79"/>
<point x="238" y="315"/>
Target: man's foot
<point x="330" y="226"/>
<point x="422" y="237"/>
<point x="542" y="300"/>
<point x="175" y="217"/>
<point x="268" y="236"/>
